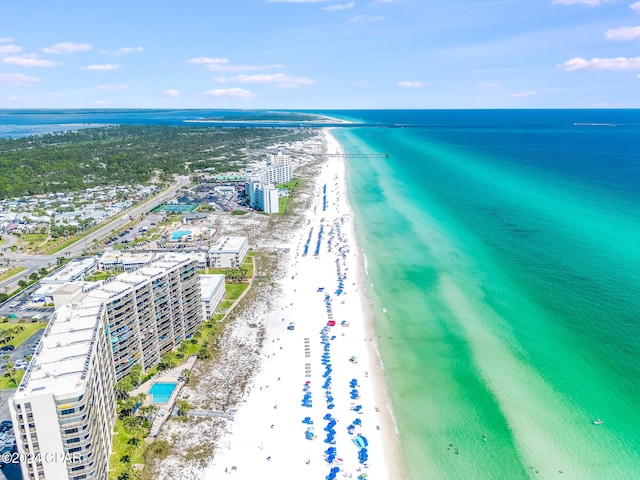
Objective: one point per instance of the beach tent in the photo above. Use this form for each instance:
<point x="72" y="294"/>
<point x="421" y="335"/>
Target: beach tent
<point x="331" y="323"/>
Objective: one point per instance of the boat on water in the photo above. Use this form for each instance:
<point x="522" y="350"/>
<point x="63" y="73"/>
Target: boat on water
<point x="598" y="421"/>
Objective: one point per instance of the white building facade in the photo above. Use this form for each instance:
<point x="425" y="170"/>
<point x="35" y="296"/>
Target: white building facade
<point x="267" y="198"/>
<point x="64" y="409"/>
<point x="228" y="252"/>
<point x="212" y="288"/>
<point x="260" y="183"/>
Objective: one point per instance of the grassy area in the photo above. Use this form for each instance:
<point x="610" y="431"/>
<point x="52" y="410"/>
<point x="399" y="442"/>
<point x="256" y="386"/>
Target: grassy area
<point x="11" y="272"/>
<point x="6" y="382"/>
<point x="225" y="304"/>
<point x="289" y="185"/>
<point x="63" y="245"/>
<point x="248" y="264"/>
<point x="283" y="205"/>
<point x="234" y="290"/>
<point x="98" y="276"/>
<point x="20" y="337"/>
<point x="125" y="446"/>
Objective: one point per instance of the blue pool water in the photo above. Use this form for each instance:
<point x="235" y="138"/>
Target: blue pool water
<point x="179" y="234"/>
<point x="161" y="392"/>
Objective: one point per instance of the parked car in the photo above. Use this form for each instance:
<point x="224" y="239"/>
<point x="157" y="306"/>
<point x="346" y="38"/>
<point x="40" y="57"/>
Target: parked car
<point x="7" y="348"/>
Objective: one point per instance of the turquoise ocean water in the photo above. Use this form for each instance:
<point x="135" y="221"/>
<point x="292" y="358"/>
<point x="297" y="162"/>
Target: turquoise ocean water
<point x="504" y="248"/>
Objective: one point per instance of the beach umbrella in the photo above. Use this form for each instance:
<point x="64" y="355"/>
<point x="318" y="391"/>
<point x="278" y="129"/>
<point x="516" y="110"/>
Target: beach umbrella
<point x="357" y="421"/>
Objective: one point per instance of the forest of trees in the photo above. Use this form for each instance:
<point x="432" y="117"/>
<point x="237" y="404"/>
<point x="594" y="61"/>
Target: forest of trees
<point x="125" y="154"/>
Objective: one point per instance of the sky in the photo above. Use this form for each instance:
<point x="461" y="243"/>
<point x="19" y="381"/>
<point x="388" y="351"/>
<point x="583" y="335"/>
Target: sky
<point x="320" y="54"/>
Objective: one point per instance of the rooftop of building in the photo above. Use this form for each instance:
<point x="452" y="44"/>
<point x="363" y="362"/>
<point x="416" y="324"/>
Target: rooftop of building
<point x="70" y="271"/>
<point x="117" y="256"/>
<point x="210" y="283"/>
<point x="62" y="357"/>
<point x="228" y="245"/>
<point x="60" y="362"/>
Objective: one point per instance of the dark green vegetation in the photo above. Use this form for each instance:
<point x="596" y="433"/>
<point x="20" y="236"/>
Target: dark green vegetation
<point x="126" y="154"/>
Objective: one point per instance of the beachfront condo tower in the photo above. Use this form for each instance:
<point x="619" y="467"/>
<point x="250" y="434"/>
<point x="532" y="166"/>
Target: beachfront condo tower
<point x="64" y="409"/>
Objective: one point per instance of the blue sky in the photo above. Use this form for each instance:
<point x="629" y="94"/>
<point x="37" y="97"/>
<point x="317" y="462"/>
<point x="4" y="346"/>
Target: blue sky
<point x="320" y="54"/>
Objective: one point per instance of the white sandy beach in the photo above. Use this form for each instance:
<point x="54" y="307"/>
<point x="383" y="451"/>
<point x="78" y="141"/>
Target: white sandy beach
<point x="330" y="374"/>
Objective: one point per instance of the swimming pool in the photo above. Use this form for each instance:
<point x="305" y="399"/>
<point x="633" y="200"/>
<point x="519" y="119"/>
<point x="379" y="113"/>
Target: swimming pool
<point x="161" y="392"/>
<point x="177" y="235"/>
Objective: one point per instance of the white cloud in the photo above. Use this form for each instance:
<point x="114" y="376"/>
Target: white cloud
<point x="623" y="33"/>
<point x="635" y="7"/>
<point x="220" y="79"/>
<point x="278" y="79"/>
<point x="339" y="6"/>
<point x="523" y="94"/>
<point x="112" y="87"/>
<point x="5" y="39"/>
<point x="171" y="93"/>
<point x="9" y="49"/>
<point x="123" y="51"/>
<point x="365" y="18"/>
<point x="229" y="92"/>
<point x="411" y="84"/>
<point x="489" y="85"/>
<point x="207" y="61"/>
<point x="619" y="63"/>
<point x="67" y="47"/>
<point x="101" y="68"/>
<point x="17" y="80"/>
<point x="591" y="3"/>
<point x="214" y="67"/>
<point x="29" y="61"/>
<point x="100" y="103"/>
<point x="222" y="65"/>
<point x="16" y="98"/>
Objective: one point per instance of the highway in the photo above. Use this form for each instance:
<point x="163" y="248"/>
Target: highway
<point x="33" y="263"/>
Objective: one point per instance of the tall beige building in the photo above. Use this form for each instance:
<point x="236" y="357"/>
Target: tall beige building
<point x="64" y="409"/>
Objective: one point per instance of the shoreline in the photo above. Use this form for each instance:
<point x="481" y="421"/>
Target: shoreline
<point x="268" y="434"/>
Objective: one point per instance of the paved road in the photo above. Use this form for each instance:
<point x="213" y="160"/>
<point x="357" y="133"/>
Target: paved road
<point x="34" y="262"/>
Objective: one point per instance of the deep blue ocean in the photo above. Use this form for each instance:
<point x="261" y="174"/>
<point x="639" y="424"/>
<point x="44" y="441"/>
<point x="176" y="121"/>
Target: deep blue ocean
<point x="503" y="258"/>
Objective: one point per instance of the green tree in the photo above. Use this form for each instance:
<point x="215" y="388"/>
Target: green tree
<point x="166" y="362"/>
<point x="183" y="408"/>
<point x="204" y="353"/>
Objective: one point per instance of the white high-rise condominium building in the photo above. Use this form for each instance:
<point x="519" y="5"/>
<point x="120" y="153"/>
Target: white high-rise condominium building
<point x="267" y="198"/>
<point x="278" y="170"/>
<point x="64" y="408"/>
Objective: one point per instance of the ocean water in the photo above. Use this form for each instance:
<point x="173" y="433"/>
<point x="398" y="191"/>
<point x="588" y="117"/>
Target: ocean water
<point x="504" y="248"/>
